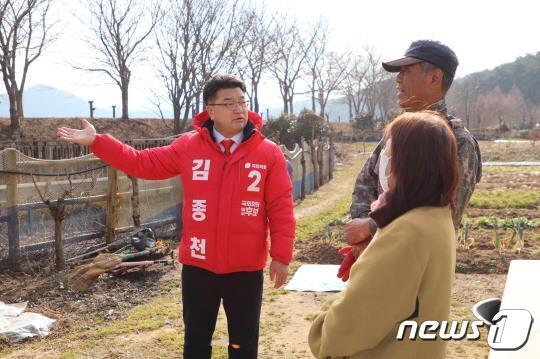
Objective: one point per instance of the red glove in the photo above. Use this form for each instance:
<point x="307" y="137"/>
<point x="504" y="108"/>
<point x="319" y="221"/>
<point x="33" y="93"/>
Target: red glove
<point x="345" y="267"/>
<point x="350" y="254"/>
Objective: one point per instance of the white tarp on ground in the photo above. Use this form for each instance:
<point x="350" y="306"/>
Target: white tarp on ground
<point x="17" y="325"/>
<point x="316" y="278"/>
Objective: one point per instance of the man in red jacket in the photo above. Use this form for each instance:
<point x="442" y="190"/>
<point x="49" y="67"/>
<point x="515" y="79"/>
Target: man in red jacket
<point x="236" y="190"/>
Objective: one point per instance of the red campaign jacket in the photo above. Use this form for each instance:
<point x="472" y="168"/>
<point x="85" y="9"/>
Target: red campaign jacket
<point x="229" y="204"/>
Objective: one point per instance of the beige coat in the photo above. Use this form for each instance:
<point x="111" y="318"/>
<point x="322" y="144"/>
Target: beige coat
<point x="411" y="258"/>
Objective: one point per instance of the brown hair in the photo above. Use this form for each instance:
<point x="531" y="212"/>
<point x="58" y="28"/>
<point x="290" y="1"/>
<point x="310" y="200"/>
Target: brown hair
<point x="424" y="162"/>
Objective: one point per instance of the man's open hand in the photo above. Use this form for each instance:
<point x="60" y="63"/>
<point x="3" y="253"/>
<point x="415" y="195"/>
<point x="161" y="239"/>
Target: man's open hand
<point x="278" y="273"/>
<point x="83" y="137"/>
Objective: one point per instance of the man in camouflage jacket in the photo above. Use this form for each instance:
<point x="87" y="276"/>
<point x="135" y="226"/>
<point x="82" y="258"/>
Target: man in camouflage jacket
<point x="425" y="75"/>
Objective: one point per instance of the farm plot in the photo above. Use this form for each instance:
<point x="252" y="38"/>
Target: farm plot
<point x="140" y="317"/>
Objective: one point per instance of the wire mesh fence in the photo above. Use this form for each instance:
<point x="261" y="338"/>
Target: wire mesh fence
<point x="90" y="201"/>
<point x="53" y="208"/>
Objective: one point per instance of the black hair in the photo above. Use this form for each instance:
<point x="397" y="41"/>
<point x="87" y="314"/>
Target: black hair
<point x="218" y="82"/>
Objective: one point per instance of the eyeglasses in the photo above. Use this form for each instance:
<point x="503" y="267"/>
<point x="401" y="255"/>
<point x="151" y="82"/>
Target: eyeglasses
<point x="230" y="105"/>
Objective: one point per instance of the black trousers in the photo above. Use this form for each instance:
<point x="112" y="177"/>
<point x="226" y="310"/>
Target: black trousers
<point x="202" y="292"/>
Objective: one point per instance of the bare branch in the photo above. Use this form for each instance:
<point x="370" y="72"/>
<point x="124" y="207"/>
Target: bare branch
<point x="120" y="29"/>
<point x="25" y="31"/>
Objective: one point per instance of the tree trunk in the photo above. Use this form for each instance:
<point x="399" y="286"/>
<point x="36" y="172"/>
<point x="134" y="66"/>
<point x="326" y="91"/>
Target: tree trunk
<point x="291" y="109"/>
<point x="322" y="104"/>
<point x="285" y="105"/>
<point x="198" y="103"/>
<point x="57" y="212"/>
<point x="256" y="98"/>
<point x="16" y="113"/>
<point x="183" y="123"/>
<point x="125" y="110"/>
<point x="349" y="101"/>
<point x="176" y="115"/>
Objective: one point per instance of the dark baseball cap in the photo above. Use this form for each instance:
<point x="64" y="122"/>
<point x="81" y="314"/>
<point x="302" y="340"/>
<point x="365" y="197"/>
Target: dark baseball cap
<point x="430" y="51"/>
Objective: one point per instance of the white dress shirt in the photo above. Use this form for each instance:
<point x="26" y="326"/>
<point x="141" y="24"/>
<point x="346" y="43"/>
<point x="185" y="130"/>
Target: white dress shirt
<point x="236" y="138"/>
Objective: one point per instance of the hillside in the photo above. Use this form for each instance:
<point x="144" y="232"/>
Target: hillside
<point x="523" y="73"/>
<point x="508" y="95"/>
<point x="44" y="129"/>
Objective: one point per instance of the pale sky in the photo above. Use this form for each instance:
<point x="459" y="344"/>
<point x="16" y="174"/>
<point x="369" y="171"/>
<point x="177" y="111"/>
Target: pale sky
<point x="483" y="34"/>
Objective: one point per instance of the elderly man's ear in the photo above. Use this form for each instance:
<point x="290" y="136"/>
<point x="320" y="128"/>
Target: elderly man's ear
<point x="437" y="78"/>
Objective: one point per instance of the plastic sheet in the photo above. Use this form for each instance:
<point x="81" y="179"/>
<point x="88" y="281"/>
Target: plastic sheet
<point x="316" y="278"/>
<point x="17" y="325"/>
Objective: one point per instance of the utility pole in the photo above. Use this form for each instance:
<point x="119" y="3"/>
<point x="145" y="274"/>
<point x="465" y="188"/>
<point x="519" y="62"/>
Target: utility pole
<point x="113" y="111"/>
<point x="92" y="108"/>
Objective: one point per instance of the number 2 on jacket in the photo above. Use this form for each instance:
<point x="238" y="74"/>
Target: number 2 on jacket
<point x="253" y="187"/>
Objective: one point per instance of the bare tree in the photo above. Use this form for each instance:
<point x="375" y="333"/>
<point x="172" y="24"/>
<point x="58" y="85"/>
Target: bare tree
<point x="463" y="97"/>
<point x="255" y="54"/>
<point x="329" y="77"/>
<point x="384" y="93"/>
<point x="119" y="29"/>
<point x="177" y="51"/>
<point x="315" y="62"/>
<point x="219" y="37"/>
<point x="25" y="30"/>
<point x="197" y="38"/>
<point x="290" y="49"/>
<point x="353" y="85"/>
<point x="374" y="74"/>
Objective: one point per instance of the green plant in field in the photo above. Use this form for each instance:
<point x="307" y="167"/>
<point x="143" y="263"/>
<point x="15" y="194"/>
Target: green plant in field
<point x="494" y="222"/>
<point x="464" y="240"/>
<point x="483" y="222"/>
<point x="331" y="236"/>
<point x="519" y="225"/>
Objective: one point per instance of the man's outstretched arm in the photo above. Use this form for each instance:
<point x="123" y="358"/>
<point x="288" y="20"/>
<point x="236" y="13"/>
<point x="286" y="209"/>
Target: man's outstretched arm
<point x="154" y="163"/>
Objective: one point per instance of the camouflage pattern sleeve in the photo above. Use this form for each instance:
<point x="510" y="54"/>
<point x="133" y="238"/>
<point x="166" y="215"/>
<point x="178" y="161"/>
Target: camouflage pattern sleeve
<point x="366" y="188"/>
<point x="470" y="171"/>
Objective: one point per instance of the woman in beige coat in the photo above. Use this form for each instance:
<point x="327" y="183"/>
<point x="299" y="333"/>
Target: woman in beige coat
<point x="406" y="271"/>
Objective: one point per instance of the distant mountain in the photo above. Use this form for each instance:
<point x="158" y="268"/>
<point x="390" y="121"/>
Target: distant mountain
<point x="523" y="73"/>
<point x="47" y="101"/>
<point x="508" y="95"/>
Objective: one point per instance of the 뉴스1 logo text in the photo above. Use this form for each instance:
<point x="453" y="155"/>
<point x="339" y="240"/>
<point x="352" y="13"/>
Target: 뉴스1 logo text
<point x="510" y="330"/>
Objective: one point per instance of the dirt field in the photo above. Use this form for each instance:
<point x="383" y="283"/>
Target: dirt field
<point x="139" y="316"/>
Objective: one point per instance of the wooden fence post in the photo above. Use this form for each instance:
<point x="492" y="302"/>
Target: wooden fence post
<point x="13" y="219"/>
<point x="135" y="203"/>
<point x="320" y="154"/>
<point x="331" y="159"/>
<point x="303" y="163"/>
<point x="112" y="205"/>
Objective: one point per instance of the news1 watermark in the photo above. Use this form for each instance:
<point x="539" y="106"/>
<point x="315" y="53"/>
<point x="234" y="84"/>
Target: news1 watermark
<point x="510" y="329"/>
